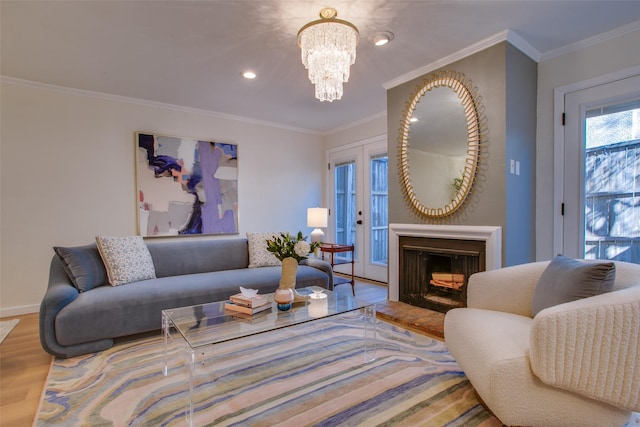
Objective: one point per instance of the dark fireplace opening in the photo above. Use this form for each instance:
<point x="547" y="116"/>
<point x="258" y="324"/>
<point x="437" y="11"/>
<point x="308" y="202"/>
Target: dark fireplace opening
<point x="434" y="272"/>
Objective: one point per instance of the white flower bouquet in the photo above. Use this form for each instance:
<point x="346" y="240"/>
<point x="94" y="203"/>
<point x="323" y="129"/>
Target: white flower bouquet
<point x="288" y="246"/>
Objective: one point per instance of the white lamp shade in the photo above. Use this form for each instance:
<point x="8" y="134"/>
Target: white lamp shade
<point x="317" y="217"/>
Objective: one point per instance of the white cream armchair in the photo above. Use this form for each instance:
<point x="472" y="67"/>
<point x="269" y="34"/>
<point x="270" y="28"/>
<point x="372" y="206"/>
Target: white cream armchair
<point x="574" y="364"/>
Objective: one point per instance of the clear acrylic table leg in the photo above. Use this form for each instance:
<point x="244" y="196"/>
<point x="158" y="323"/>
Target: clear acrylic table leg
<point x="165" y="339"/>
<point x="190" y="362"/>
<point x="190" y="365"/>
<point x="369" y="319"/>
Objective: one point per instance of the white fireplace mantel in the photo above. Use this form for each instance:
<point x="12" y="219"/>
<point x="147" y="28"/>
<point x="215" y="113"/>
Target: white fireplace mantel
<point x="492" y="236"/>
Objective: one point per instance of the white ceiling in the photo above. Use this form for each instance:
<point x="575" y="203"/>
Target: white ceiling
<point x="191" y="53"/>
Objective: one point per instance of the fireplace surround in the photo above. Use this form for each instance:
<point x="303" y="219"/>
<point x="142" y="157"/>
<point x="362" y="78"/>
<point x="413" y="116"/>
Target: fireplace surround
<point x="440" y="244"/>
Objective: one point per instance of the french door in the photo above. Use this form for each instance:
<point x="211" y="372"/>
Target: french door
<point x="601" y="191"/>
<point x="358" y="194"/>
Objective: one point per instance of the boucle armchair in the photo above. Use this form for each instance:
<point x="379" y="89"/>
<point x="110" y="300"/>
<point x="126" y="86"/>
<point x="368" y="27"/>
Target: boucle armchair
<point x="573" y="364"/>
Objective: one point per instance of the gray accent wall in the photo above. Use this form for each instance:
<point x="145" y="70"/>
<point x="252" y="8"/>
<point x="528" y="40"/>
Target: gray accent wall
<point x="506" y="80"/>
<point x="519" y="235"/>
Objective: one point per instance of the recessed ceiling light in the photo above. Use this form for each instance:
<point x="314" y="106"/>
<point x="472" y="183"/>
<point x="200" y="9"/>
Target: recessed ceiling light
<point x="249" y="75"/>
<point x="380" y="38"/>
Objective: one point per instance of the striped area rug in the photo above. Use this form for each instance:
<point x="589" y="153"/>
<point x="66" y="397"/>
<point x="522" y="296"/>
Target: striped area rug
<point x="310" y="375"/>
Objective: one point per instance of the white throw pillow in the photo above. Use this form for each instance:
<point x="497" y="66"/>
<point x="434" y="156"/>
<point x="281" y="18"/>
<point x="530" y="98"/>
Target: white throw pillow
<point x="127" y="259"/>
<point x="259" y="256"/>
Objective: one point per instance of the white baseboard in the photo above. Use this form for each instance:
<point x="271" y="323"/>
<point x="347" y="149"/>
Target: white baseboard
<point x="17" y="311"/>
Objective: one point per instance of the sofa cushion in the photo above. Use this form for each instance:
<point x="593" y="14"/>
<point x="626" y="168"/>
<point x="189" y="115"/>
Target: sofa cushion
<point x="566" y="279"/>
<point x="83" y="265"/>
<point x="127" y="259"/>
<point x="188" y="256"/>
<point x="259" y="256"/>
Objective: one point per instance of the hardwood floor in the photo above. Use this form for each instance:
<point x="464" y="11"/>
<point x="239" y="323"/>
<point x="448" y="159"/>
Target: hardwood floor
<point x="24" y="365"/>
<point x="368" y="291"/>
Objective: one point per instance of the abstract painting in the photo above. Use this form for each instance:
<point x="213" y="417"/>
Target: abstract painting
<point x="186" y="186"/>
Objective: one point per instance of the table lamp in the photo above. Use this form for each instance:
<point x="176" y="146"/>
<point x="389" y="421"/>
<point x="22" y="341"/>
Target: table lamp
<point x="317" y="218"/>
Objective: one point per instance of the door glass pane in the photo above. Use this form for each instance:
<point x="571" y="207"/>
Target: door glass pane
<point x="379" y="209"/>
<point x="612" y="178"/>
<point x="345" y="203"/>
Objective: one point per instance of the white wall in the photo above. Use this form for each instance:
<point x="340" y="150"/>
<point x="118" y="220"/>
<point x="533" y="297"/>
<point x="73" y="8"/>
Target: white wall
<point x="361" y="131"/>
<point x="67" y="175"/>
<point x="589" y="62"/>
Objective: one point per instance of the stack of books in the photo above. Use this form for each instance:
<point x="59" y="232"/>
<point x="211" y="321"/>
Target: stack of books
<point x="247" y="305"/>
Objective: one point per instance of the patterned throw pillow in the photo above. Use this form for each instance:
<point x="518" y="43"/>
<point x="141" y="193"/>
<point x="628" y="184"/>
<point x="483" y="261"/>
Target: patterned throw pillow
<point x="259" y="256"/>
<point x="127" y="259"/>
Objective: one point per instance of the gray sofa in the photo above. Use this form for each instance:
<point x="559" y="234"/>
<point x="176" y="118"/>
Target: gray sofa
<point x="188" y="272"/>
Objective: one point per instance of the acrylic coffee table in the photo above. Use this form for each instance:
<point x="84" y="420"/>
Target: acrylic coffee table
<point x="197" y="329"/>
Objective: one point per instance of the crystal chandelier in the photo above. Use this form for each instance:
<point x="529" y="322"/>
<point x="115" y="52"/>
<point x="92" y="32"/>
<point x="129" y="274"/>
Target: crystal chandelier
<point x="328" y="50"/>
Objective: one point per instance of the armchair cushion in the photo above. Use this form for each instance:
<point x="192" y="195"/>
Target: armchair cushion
<point x="487" y="289"/>
<point x="600" y="355"/>
<point x="566" y="279"/>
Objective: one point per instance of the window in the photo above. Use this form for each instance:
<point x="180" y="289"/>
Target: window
<point x="612" y="182"/>
<point x="379" y="209"/>
<point x="345" y="193"/>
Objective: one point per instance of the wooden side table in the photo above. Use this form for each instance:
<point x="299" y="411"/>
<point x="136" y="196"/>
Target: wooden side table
<point x="334" y="248"/>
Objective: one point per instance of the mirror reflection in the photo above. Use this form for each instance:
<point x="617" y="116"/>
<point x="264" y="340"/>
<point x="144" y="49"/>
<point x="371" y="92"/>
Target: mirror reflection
<point x="439" y="147"/>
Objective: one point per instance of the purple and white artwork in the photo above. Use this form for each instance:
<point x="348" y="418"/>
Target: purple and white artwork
<point x="186" y="186"/>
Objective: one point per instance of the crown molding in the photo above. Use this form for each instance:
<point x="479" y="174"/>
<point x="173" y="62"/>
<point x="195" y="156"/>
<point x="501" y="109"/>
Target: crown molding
<point x="148" y="103"/>
<point x="356" y="123"/>
<point x="516" y="40"/>
<point x="506" y="35"/>
<point x="591" y="41"/>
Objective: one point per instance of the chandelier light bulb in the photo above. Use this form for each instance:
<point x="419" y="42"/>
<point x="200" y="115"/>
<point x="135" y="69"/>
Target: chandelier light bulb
<point x="328" y="49"/>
